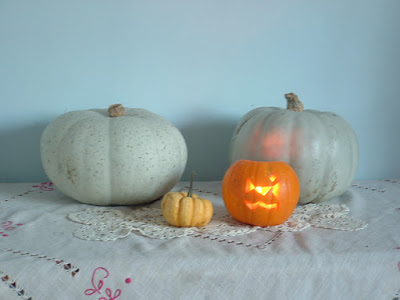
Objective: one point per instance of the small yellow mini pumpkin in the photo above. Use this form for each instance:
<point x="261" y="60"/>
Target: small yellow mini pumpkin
<point x="183" y="209"/>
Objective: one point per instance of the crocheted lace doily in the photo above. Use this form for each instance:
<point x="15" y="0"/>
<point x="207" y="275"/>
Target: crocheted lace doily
<point x="108" y="223"/>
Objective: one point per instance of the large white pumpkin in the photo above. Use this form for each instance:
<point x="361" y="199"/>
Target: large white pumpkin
<point x="123" y="160"/>
<point x="321" y="147"/>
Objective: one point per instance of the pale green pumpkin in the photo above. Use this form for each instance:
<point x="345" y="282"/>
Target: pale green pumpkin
<point x="321" y="147"/>
<point x="115" y="157"/>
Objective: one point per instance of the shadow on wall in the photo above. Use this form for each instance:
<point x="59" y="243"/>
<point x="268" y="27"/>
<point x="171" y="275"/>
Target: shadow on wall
<point x="208" y="149"/>
<point x="20" y="155"/>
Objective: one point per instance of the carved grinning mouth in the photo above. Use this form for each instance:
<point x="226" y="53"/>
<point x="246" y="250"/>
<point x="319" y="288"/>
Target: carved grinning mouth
<point x="261" y="204"/>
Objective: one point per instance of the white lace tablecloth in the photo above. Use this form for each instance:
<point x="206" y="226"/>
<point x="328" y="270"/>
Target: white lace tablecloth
<point x="52" y="247"/>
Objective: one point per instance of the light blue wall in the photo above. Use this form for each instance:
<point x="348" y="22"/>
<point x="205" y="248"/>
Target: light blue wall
<point x="202" y="65"/>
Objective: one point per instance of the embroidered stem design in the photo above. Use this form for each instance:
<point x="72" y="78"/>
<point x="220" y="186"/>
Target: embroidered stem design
<point x="98" y="284"/>
<point x="97" y="288"/>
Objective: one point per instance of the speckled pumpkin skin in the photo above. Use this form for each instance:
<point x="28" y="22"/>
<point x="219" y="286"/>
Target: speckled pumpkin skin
<point x="100" y="160"/>
<point x="320" y="146"/>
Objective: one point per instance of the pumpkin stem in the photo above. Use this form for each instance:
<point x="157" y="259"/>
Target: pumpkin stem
<point x="293" y="102"/>
<point x="116" y="110"/>
<point x="190" y="192"/>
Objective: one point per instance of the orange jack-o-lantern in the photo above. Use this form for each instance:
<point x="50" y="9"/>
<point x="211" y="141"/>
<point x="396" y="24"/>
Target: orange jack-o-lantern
<point x="260" y="193"/>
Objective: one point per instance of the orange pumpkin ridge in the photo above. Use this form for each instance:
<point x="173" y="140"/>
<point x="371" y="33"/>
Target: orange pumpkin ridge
<point x="260" y="193"/>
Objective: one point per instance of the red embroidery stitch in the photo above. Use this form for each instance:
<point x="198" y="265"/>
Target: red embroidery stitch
<point x="97" y="287"/>
<point x="109" y="295"/>
<point x="7" y="225"/>
<point x="45" y="186"/>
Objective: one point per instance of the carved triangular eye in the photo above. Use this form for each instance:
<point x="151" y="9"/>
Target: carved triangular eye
<point x="249" y="186"/>
<point x="263" y="190"/>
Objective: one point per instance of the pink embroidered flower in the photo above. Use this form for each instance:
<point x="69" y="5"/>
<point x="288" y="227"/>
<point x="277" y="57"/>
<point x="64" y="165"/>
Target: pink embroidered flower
<point x="98" y="283"/>
<point x="97" y="287"/>
<point x="8" y="226"/>
<point x="110" y="296"/>
<point x="45" y="186"/>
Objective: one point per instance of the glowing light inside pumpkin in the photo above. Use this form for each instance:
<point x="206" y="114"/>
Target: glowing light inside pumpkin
<point x="274" y="144"/>
<point x="274" y="187"/>
<point x="263" y="190"/>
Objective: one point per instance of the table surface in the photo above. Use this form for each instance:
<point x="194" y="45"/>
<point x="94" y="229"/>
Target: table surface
<point x="41" y="257"/>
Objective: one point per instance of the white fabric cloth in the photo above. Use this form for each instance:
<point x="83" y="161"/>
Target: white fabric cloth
<point x="41" y="256"/>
